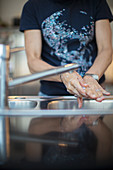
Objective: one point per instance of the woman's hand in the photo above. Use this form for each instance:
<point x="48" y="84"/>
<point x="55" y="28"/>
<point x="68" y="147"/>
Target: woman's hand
<point x="87" y="87"/>
<point x="89" y="120"/>
<point x="94" y="90"/>
<point x="71" y="123"/>
<point x="74" y="84"/>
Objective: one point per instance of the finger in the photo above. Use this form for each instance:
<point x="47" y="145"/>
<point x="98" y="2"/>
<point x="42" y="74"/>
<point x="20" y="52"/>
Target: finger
<point x="80" y="102"/>
<point x="105" y="92"/>
<point x="78" y="87"/>
<point x="91" y="93"/>
<point x="72" y="89"/>
<point x="100" y="99"/>
<point x="95" y="92"/>
<point x="74" y="92"/>
<point x="98" y="93"/>
<point x="81" y="81"/>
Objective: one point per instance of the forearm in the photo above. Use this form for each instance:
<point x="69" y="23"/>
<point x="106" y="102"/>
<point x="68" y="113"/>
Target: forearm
<point x="44" y="125"/>
<point x="104" y="44"/>
<point x="104" y="137"/>
<point x="33" y="46"/>
<point x="38" y="65"/>
<point x="101" y="63"/>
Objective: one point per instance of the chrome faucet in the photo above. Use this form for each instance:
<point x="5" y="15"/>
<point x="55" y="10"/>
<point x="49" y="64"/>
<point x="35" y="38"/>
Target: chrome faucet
<point x="5" y="52"/>
<point x="43" y="74"/>
<point x="4" y="57"/>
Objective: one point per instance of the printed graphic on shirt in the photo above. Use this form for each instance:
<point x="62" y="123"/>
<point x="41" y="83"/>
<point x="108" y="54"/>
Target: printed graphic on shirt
<point x="59" y="36"/>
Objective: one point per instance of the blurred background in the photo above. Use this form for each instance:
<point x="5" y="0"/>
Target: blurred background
<point x="10" y="13"/>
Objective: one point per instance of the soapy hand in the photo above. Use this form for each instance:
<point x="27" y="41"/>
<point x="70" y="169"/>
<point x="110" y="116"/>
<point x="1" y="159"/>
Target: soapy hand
<point x="70" y="123"/>
<point x="74" y="84"/>
<point x="94" y="89"/>
<point x="83" y="87"/>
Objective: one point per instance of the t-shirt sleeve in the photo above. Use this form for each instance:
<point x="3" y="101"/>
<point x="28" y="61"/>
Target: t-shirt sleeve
<point x="102" y="11"/>
<point x="29" y="20"/>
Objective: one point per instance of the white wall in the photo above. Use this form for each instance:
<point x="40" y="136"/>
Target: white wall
<point x="10" y="9"/>
<point x="110" y="2"/>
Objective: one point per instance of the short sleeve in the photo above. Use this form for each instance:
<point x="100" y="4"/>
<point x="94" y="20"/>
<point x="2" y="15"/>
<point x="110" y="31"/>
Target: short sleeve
<point x="102" y="11"/>
<point x="29" y="20"/>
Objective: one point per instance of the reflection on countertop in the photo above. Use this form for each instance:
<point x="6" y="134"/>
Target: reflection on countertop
<point x="68" y="142"/>
<point x="94" y="142"/>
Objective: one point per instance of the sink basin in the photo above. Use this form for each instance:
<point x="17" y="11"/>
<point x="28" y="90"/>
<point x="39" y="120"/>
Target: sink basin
<point x="56" y="106"/>
<point x="73" y="105"/>
<point x="22" y="104"/>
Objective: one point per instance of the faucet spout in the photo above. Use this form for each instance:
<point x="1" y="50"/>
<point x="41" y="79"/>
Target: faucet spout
<point x="47" y="73"/>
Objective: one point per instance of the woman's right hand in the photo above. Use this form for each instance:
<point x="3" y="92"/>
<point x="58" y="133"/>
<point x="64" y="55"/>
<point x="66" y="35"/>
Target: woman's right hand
<point x="74" y="84"/>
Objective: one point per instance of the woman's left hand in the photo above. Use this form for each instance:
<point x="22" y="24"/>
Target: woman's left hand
<point x="70" y="123"/>
<point x="94" y="90"/>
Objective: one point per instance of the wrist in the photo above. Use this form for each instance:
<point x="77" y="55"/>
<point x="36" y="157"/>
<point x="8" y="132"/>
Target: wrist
<point x="61" y="77"/>
<point x="95" y="76"/>
<point x="94" y="123"/>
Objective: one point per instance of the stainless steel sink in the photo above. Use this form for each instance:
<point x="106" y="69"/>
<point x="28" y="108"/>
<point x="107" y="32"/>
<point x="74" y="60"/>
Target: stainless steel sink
<point x="22" y="104"/>
<point x="73" y="105"/>
<point x="55" y="106"/>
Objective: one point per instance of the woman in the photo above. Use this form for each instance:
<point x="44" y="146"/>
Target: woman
<point x="58" y="32"/>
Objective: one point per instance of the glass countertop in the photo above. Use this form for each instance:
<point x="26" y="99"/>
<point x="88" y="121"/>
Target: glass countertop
<point x="63" y="142"/>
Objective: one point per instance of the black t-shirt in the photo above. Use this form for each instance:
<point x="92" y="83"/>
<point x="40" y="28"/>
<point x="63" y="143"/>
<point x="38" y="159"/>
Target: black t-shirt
<point x="68" y="33"/>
